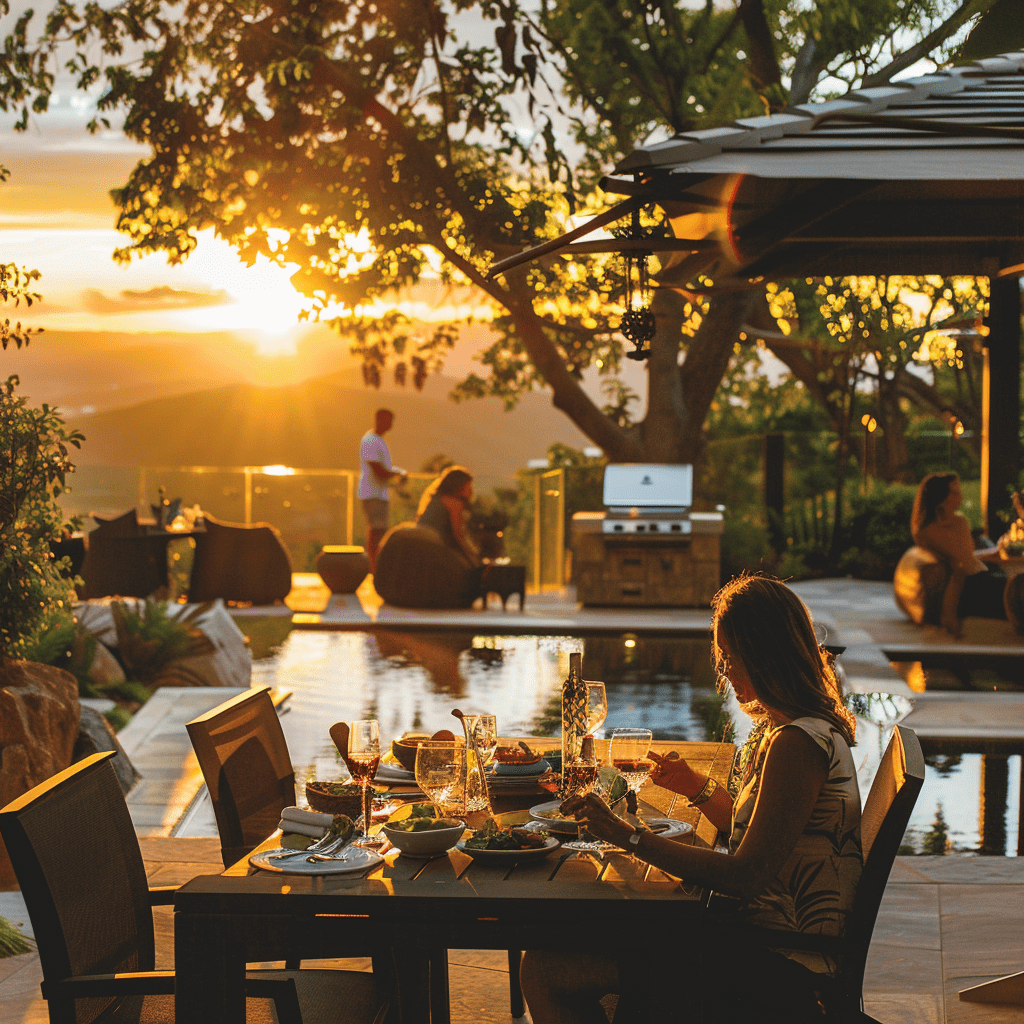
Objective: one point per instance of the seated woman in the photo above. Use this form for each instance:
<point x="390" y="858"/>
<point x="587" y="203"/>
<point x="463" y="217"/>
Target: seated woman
<point x="794" y="857"/>
<point x="432" y="563"/>
<point x="974" y="588"/>
<point x="443" y="508"/>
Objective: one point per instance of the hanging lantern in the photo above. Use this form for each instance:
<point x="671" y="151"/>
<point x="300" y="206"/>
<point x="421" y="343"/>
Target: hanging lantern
<point x="637" y="324"/>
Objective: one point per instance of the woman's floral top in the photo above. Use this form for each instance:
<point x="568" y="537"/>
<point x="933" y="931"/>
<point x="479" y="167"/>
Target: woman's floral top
<point x="814" y="890"/>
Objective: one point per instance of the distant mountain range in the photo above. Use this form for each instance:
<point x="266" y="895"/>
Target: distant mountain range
<point x="318" y="423"/>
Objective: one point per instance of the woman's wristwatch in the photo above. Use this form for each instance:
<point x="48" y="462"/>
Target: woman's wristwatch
<point x="705" y="793"/>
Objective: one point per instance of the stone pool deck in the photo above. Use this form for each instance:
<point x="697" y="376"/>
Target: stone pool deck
<point x="946" y="923"/>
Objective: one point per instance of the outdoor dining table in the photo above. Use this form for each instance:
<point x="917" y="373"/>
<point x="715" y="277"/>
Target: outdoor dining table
<point x="420" y="909"/>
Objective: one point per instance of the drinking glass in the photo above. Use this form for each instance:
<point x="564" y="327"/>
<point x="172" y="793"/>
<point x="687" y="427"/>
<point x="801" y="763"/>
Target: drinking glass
<point x="628" y="751"/>
<point x="363" y="759"/>
<point x="438" y="772"/>
<point x="485" y="733"/>
<point x="580" y="778"/>
<point x="597" y="706"/>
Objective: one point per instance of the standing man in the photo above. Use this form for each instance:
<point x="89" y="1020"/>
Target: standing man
<point x="377" y="472"/>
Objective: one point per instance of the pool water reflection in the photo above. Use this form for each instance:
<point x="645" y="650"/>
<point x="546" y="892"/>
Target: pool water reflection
<point x="412" y="681"/>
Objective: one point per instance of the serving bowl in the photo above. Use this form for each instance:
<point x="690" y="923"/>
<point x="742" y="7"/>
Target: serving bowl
<point x="428" y="843"/>
<point x="335" y="798"/>
<point x="404" y="749"/>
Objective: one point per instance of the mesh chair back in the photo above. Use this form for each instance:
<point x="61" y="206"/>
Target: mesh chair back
<point x="244" y="758"/>
<point x="883" y="823"/>
<point x="77" y="860"/>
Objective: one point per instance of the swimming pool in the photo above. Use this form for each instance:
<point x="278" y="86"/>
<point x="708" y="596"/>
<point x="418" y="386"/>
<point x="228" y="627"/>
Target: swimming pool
<point x="413" y="680"/>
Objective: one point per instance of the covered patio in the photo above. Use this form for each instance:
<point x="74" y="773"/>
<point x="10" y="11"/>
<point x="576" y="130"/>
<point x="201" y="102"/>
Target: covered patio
<point x="923" y="176"/>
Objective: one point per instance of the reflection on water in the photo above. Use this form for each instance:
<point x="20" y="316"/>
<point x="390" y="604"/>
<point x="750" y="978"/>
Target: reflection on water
<point x="412" y="681"/>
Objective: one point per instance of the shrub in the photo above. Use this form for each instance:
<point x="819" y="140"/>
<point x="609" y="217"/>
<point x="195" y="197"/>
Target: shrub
<point x="149" y="641"/>
<point x="62" y="642"/>
<point x="878" y="532"/>
<point x="34" y="463"/>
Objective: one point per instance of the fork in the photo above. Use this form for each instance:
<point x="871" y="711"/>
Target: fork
<point x="328" y="844"/>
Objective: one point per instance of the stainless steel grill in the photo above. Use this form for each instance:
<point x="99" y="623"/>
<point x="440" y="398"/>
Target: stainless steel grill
<point x="648" y="500"/>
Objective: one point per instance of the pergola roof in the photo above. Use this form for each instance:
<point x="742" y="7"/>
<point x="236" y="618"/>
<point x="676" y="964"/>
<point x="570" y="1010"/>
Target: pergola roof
<point x="922" y="176"/>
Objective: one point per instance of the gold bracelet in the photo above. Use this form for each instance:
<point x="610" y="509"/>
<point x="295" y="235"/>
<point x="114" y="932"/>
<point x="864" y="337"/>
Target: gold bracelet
<point x="707" y="791"/>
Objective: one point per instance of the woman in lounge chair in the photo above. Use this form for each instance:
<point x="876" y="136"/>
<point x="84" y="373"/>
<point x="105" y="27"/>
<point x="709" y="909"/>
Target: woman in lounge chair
<point x="443" y="508"/>
<point x="938" y="525"/>
<point x="794" y="855"/>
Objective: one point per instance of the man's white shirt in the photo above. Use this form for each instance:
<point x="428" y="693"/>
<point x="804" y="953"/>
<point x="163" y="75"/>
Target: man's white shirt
<point x="372" y="448"/>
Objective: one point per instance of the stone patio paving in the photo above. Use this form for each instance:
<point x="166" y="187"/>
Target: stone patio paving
<point x="946" y="923"/>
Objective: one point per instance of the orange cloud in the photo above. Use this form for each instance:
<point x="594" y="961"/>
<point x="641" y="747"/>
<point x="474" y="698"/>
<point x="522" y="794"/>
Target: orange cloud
<point x="162" y="297"/>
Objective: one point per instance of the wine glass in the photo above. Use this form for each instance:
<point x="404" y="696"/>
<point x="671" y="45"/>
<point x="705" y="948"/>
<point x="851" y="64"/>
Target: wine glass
<point x="439" y="772"/>
<point x="597" y="706"/>
<point x="363" y="759"/>
<point x="628" y="751"/>
<point x="485" y="733"/>
<point x="578" y="779"/>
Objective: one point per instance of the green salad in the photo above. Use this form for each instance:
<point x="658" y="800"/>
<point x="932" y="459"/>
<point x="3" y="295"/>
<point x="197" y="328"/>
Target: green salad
<point x="491" y="836"/>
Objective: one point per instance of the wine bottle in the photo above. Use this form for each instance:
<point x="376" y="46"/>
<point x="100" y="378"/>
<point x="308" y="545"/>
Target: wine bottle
<point x="574" y="711"/>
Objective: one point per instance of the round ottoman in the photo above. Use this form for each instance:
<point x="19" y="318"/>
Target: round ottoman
<point x="342" y="567"/>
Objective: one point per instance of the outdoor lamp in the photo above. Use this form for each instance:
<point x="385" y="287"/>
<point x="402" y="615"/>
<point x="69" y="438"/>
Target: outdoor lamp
<point x="637" y="324"/>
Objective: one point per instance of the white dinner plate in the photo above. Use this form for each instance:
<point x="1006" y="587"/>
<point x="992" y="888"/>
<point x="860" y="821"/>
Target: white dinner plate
<point x="509" y="856"/>
<point x="354" y="859"/>
<point x="668" y="828"/>
<point x="542" y="812"/>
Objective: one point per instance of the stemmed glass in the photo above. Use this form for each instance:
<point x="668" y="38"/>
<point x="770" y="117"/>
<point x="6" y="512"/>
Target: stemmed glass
<point x="363" y="759"/>
<point x="597" y="706"/>
<point x="628" y="752"/>
<point x="579" y="779"/>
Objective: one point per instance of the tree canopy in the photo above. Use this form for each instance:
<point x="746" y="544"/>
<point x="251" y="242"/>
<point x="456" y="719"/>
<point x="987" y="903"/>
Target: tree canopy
<point x="368" y="143"/>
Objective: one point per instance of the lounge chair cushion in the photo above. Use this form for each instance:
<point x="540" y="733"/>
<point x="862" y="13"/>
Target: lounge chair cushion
<point x="415" y="570"/>
<point x="918" y="585"/>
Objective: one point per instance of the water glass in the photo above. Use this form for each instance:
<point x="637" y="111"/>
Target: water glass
<point x="484" y="729"/>
<point x="597" y="706"/>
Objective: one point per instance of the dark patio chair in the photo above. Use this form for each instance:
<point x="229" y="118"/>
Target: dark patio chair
<point x="243" y="755"/>
<point x="76" y="857"/>
<point x="239" y="562"/>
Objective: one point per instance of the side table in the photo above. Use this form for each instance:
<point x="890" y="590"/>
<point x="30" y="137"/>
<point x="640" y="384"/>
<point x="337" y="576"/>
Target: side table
<point x="504" y="580"/>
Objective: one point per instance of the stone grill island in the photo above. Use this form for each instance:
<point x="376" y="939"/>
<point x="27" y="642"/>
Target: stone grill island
<point x="647" y="548"/>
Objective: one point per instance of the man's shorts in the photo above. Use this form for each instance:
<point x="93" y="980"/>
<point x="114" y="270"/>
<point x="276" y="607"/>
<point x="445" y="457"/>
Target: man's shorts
<point x="377" y="512"/>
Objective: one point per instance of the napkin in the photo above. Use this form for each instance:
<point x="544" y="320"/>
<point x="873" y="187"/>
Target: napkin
<point x="305" y="823"/>
<point x="300" y="827"/>
<point x="307" y="816"/>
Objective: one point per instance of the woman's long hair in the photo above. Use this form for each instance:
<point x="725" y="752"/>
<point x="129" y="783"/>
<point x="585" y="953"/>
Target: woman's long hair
<point x="451" y="481"/>
<point x="931" y="493"/>
<point x="767" y="627"/>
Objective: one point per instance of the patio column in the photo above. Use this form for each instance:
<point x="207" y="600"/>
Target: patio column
<point x="1000" y="405"/>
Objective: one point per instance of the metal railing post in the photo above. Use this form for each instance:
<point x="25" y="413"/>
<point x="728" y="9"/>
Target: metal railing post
<point x="350" y="503"/>
<point x="536" y="532"/>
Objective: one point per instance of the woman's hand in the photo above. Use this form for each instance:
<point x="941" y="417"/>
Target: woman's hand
<point x="594" y="813"/>
<point x="671" y="772"/>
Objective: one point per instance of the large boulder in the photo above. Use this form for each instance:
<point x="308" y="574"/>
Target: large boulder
<point x="95" y="734"/>
<point x="39" y="714"/>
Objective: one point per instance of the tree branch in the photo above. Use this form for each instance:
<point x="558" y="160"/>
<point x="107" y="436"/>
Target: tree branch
<point x="969" y="9"/>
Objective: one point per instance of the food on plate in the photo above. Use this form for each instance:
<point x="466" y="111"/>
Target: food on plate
<point x="515" y="755"/>
<point x="491" y="836"/>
